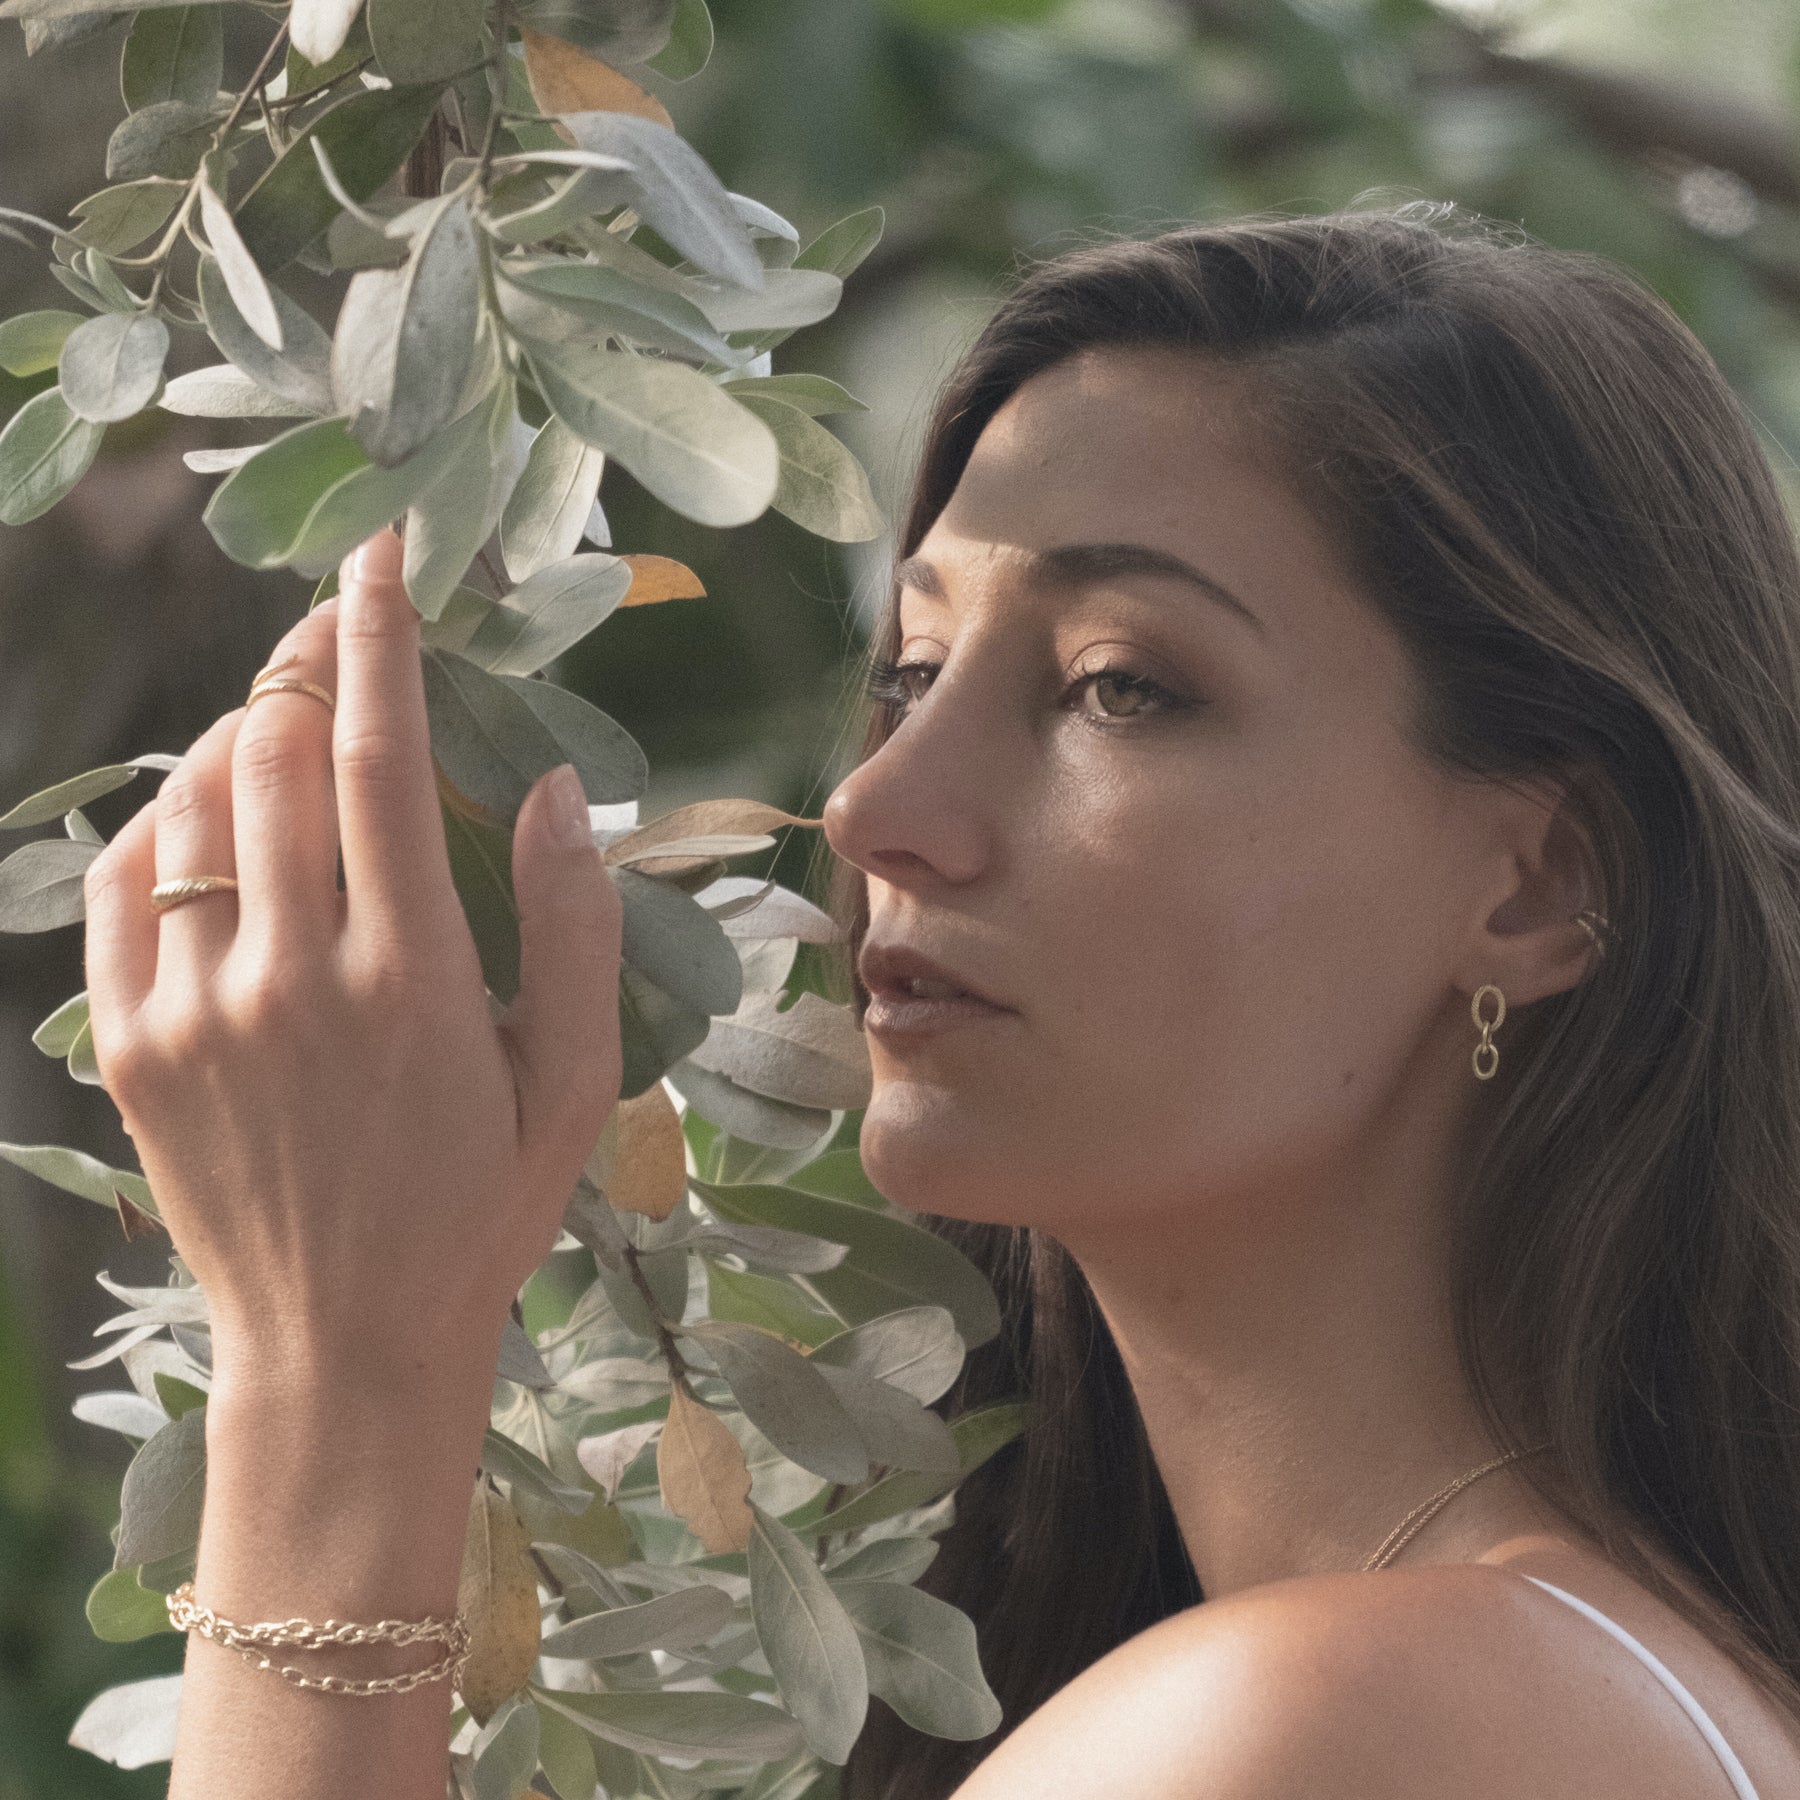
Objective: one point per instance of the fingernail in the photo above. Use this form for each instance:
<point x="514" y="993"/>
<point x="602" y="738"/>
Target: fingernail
<point x="568" y="819"/>
<point x="326" y="609"/>
<point x="377" y="558"/>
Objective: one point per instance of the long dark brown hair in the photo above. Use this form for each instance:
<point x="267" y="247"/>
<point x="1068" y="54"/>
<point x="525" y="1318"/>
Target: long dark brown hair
<point x="1539" y="476"/>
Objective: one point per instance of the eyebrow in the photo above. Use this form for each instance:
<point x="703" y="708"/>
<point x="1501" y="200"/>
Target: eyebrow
<point x="1074" y="565"/>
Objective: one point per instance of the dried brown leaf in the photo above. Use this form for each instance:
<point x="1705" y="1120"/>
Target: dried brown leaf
<point x="134" y="1221"/>
<point x="705" y="818"/>
<point x="649" y="1161"/>
<point x="497" y="1598"/>
<point x="704" y="1478"/>
<point x="565" y="79"/>
<point x="656" y="578"/>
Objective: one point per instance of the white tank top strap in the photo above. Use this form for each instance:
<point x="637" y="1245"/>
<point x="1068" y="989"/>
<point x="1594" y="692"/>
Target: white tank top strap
<point x="1740" y="1781"/>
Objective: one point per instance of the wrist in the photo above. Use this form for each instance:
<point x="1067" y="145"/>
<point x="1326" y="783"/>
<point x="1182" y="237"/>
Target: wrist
<point x="368" y="1383"/>
<point x="336" y="1499"/>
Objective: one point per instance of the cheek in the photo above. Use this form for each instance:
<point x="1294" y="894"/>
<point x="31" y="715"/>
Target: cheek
<point x="1218" y="985"/>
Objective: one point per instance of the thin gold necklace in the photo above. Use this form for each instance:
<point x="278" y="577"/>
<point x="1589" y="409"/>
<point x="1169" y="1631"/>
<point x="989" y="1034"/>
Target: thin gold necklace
<point x="1420" y="1516"/>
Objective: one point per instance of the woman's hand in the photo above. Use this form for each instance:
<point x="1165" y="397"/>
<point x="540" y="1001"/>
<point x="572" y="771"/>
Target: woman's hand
<point x="359" y="1163"/>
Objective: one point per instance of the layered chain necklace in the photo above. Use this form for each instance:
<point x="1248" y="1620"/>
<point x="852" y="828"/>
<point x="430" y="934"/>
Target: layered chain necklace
<point x="1420" y="1516"/>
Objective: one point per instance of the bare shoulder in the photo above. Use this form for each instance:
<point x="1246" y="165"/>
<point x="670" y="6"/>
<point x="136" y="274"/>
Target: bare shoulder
<point x="1450" y="1679"/>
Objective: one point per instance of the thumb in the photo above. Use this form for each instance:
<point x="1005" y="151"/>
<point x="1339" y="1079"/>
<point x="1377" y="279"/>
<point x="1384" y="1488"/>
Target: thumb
<point x="564" y="1023"/>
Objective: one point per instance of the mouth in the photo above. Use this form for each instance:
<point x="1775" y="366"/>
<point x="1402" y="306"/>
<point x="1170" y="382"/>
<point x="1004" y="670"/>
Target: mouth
<point x="911" y="996"/>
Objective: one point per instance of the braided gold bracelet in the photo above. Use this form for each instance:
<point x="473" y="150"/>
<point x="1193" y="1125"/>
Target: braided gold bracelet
<point x="250" y="1641"/>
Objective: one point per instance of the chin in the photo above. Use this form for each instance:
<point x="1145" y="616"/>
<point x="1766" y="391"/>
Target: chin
<point x="926" y="1148"/>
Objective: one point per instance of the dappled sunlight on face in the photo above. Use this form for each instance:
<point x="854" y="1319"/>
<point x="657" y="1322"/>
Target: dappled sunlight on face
<point x="1211" y="883"/>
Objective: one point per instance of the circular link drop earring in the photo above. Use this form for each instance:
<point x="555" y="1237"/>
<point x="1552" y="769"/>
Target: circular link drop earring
<point x="1486" y="1058"/>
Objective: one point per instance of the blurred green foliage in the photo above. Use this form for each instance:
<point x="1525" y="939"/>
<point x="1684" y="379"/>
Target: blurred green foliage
<point x="1656" y="132"/>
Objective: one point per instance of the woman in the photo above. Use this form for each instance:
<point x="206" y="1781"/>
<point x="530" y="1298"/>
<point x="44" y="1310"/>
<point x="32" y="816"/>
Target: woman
<point x="1338" y="736"/>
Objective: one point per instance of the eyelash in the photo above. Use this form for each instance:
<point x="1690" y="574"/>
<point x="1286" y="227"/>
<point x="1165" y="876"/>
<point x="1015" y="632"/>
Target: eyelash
<point x="886" y="686"/>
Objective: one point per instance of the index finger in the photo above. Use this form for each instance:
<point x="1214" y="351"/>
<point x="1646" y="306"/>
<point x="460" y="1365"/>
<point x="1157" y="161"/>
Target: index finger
<point x="396" y="867"/>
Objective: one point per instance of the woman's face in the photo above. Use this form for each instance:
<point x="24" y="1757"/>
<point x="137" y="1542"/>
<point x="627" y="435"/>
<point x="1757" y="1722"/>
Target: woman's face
<point x="1220" y="893"/>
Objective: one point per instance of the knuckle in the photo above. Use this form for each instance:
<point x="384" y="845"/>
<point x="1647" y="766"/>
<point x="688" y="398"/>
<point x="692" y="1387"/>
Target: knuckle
<point x="268" y="757"/>
<point x="391" y="975"/>
<point x="124" y="1059"/>
<point x="372" y="757"/>
<point x="266" y="996"/>
<point x="181" y="1037"/>
<point x="182" y="800"/>
<point x="392" y="620"/>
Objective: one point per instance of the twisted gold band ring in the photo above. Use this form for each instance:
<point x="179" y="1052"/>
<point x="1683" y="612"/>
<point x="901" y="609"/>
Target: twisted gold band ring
<point x="289" y="684"/>
<point x="167" y="894"/>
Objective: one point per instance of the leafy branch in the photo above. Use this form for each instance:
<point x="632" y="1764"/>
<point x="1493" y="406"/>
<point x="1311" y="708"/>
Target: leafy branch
<point x="726" y="1450"/>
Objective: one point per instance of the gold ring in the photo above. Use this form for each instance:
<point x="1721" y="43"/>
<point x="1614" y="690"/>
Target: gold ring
<point x="189" y="887"/>
<point x="289" y="684"/>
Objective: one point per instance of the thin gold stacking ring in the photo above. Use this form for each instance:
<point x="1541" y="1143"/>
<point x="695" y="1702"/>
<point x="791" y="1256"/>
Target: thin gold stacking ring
<point x="289" y="684"/>
<point x="167" y="894"/>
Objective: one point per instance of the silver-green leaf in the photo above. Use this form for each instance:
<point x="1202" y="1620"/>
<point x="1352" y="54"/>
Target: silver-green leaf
<point x="823" y="487"/>
<point x="484" y="736"/>
<point x="506" y="1752"/>
<point x="681" y="435"/>
<point x="457" y="513"/>
<point x="892" y="1262"/>
<point x="789" y="1401"/>
<point x="419" y="341"/>
<point x="166" y="139"/>
<point x="671" y="186"/>
<point x="668" y="1622"/>
<point x="921" y="1657"/>
<point x="75" y="1172"/>
<point x="809" y="1639"/>
<point x="299" y="372"/>
<point x="53" y="802"/>
<point x="243" y="279"/>
<point x="173" y="53"/>
<point x="132" y="1725"/>
<point x="549" y="504"/>
<point x="118" y="219"/>
<point x="685" y="1725"/>
<point x="160" y="1501"/>
<point x="772" y="1123"/>
<point x="112" y="366"/>
<point x="31" y="342"/>
<point x="550" y="610"/>
<point x="425" y="40"/>
<point x="224" y="391"/>
<point x="915" y="1348"/>
<point x="678" y="944"/>
<point x="41" y="884"/>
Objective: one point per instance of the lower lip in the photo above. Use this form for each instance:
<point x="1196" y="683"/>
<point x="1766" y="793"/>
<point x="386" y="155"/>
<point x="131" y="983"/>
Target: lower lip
<point x="888" y="1017"/>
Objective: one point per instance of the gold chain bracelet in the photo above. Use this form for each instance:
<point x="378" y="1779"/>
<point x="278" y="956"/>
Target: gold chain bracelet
<point x="250" y="1641"/>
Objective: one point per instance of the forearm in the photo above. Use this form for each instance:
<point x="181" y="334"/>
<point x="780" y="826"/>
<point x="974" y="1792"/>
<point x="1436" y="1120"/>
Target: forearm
<point x="317" y="1510"/>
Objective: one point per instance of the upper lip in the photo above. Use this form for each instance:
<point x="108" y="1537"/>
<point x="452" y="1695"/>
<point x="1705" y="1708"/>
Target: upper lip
<point x="888" y="969"/>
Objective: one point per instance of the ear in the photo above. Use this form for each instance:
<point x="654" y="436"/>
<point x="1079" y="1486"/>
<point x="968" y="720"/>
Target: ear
<point x="1525" y="937"/>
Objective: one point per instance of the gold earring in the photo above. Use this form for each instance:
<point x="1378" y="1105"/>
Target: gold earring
<point x="1485" y="1049"/>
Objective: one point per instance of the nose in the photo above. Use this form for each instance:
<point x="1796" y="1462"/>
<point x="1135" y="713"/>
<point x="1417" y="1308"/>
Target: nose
<point x="921" y="807"/>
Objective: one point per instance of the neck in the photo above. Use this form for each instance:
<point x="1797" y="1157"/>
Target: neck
<point x="1298" y="1375"/>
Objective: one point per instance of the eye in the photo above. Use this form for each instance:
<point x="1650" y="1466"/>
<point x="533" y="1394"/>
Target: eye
<point x="1137" y="692"/>
<point x="888" y="684"/>
<point x="892" y="686"/>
